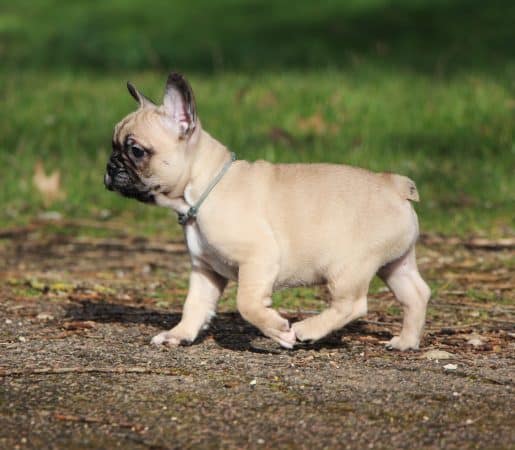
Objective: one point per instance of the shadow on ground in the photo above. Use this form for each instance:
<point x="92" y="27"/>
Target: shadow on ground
<point x="227" y="329"/>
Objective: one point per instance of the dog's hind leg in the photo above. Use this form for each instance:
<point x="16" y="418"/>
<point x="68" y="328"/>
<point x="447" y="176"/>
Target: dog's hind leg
<point x="349" y="302"/>
<point x="404" y="280"/>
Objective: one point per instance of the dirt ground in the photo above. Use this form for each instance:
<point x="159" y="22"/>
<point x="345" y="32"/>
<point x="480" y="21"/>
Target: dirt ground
<point x="77" y="371"/>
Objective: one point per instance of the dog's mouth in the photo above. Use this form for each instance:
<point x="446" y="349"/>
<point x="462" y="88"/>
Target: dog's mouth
<point x="121" y="183"/>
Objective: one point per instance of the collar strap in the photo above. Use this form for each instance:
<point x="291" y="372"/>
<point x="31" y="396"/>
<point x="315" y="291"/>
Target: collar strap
<point x="184" y="218"/>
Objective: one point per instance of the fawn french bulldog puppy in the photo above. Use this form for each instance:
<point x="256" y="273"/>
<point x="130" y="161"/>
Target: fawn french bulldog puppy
<point x="269" y="226"/>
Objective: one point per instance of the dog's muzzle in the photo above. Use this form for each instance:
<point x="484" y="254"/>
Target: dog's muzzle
<point x="108" y="181"/>
<point x="118" y="179"/>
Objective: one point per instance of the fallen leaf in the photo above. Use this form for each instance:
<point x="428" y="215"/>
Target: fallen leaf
<point x="63" y="287"/>
<point x="313" y="124"/>
<point x="280" y="135"/>
<point x="79" y="325"/>
<point x="48" y="186"/>
<point x="267" y="100"/>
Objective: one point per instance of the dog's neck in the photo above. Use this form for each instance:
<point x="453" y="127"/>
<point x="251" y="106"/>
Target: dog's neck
<point x="208" y="157"/>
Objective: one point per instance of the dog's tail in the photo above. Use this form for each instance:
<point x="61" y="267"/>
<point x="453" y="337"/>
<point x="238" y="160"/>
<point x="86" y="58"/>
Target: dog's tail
<point x="405" y="187"/>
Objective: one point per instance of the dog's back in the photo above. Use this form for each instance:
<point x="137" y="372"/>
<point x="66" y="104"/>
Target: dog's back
<point x="322" y="214"/>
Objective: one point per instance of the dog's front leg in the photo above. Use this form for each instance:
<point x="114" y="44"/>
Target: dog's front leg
<point x="205" y="289"/>
<point x="255" y="285"/>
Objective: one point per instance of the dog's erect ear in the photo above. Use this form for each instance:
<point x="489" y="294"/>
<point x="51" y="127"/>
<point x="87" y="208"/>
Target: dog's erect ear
<point x="138" y="96"/>
<point x="179" y="103"/>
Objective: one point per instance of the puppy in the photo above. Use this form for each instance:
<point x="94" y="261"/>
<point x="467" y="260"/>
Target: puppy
<point x="269" y="226"/>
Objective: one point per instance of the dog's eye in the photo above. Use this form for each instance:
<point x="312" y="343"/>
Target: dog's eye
<point x="137" y="152"/>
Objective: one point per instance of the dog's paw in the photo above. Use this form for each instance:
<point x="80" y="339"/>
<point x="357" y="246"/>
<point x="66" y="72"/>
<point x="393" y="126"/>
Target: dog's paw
<point x="398" y="343"/>
<point x="305" y="332"/>
<point x="285" y="339"/>
<point x="171" y="338"/>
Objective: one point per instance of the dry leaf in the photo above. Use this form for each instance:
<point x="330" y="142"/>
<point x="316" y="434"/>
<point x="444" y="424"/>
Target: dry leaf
<point x="267" y="100"/>
<point x="49" y="186"/>
<point x="79" y="325"/>
<point x="280" y="135"/>
<point x="316" y="124"/>
<point x="313" y="124"/>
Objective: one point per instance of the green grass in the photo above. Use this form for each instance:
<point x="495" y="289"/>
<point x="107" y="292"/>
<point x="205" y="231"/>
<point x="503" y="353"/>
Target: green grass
<point x="424" y="88"/>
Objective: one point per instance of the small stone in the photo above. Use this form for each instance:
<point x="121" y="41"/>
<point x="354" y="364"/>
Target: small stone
<point x="437" y="355"/>
<point x="260" y="441"/>
<point x="253" y="382"/>
<point x="8" y="321"/>
<point x="22" y="339"/>
<point x="450" y="367"/>
<point x="44" y="316"/>
<point x="475" y="341"/>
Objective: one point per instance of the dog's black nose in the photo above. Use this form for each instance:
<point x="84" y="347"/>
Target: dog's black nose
<point x="109" y="175"/>
<point x="108" y="181"/>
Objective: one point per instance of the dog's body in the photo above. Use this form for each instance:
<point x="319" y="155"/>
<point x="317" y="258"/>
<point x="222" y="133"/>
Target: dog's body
<point x="271" y="226"/>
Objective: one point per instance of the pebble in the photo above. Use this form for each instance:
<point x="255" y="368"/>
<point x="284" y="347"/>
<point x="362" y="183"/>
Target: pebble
<point x="44" y="316"/>
<point x="450" y="367"/>
<point x="475" y="341"/>
<point x="8" y="321"/>
<point x="437" y="354"/>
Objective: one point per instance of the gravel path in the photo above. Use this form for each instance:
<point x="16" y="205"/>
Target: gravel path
<point x="77" y="370"/>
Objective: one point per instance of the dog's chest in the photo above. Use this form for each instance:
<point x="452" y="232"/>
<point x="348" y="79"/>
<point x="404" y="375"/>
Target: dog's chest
<point x="202" y="252"/>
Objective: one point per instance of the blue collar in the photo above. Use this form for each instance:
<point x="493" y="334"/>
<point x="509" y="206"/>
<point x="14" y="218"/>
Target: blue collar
<point x="191" y="214"/>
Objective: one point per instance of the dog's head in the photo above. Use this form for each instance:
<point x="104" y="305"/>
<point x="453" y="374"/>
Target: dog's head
<point x="152" y="144"/>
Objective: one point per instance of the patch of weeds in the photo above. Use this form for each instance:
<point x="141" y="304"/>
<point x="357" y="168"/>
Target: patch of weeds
<point x="297" y="298"/>
<point x="481" y="295"/>
<point x="394" y="310"/>
<point x="376" y="286"/>
<point x="26" y="292"/>
<point x="164" y="298"/>
<point x="228" y="301"/>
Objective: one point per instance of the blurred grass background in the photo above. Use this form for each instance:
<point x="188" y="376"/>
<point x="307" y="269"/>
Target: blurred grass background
<point x="425" y="88"/>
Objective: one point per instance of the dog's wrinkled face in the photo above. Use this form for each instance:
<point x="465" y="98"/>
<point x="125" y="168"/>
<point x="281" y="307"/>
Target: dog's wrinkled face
<point x="149" y="145"/>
